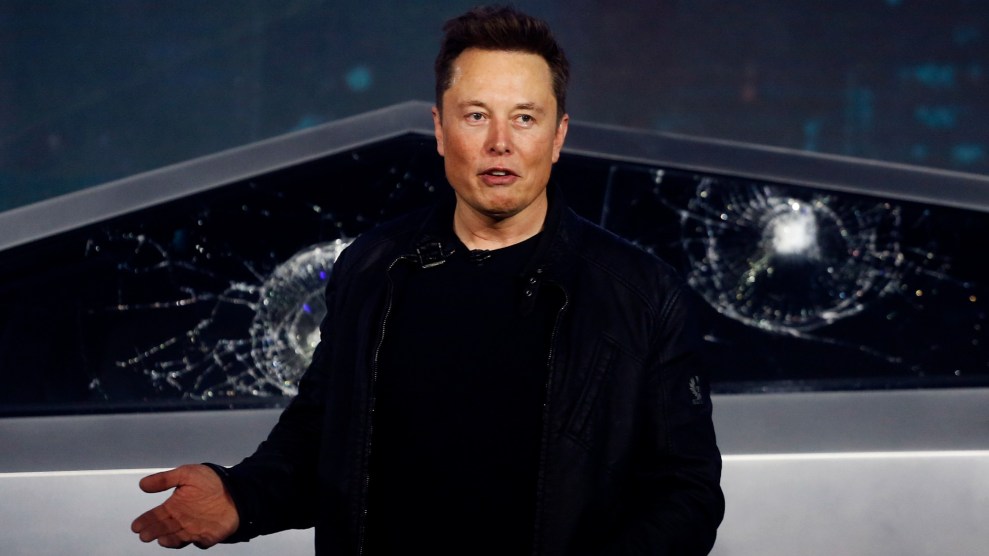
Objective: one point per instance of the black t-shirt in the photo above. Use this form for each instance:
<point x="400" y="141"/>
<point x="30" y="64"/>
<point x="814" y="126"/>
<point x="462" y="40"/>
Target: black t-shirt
<point x="458" y="412"/>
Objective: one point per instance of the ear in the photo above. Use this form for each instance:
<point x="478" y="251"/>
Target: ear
<point x="438" y="129"/>
<point x="561" y="135"/>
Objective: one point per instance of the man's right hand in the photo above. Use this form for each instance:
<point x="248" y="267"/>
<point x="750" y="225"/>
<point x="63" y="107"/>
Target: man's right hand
<point x="200" y="511"/>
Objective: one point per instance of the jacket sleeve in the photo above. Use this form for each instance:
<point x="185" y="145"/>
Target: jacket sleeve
<point x="275" y="488"/>
<point x="678" y="503"/>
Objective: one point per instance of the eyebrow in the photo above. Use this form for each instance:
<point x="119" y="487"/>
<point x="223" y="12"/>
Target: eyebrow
<point x="530" y="106"/>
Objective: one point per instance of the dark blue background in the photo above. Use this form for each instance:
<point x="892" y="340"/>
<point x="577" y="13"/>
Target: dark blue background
<point x="95" y="91"/>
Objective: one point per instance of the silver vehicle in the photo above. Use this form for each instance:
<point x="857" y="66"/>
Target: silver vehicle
<point x="165" y="318"/>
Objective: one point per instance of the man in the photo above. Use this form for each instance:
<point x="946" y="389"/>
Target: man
<point x="496" y="376"/>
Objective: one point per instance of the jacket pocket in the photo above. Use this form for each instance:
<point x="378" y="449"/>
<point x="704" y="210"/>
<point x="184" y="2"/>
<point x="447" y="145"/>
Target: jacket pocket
<point x="602" y="363"/>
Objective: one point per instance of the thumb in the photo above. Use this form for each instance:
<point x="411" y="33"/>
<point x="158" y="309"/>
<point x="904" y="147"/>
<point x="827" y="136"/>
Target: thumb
<point x="159" y="482"/>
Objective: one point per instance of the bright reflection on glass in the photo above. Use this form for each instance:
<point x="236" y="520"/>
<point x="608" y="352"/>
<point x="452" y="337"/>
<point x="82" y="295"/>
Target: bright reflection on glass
<point x="285" y="330"/>
<point x="809" y="288"/>
<point x="785" y="261"/>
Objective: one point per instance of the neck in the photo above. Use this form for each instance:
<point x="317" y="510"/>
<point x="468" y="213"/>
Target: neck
<point x="480" y="231"/>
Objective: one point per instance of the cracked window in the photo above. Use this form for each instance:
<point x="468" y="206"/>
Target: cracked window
<point x="788" y="261"/>
<point x="214" y="357"/>
<point x="215" y="300"/>
<point x="802" y="288"/>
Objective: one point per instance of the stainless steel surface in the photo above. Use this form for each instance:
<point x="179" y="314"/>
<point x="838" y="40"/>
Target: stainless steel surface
<point x="864" y="421"/>
<point x="90" y="514"/>
<point x="870" y="473"/>
<point x="881" y="505"/>
<point x="828" y="172"/>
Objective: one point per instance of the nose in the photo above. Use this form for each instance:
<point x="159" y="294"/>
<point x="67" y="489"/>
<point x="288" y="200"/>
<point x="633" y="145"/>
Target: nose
<point x="499" y="138"/>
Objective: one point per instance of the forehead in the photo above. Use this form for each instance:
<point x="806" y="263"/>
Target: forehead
<point x="498" y="72"/>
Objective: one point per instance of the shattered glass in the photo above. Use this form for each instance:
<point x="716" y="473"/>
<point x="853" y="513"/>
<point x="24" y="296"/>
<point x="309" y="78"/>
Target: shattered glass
<point x="812" y="289"/>
<point x="251" y="316"/>
<point x="786" y="261"/>
<point x="215" y="300"/>
<point x="212" y="359"/>
<point x="285" y="328"/>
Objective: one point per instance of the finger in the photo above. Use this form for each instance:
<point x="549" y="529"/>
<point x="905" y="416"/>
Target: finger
<point x="172" y="541"/>
<point x="155" y="514"/>
<point x="144" y="520"/>
<point x="159" y="529"/>
<point x="159" y="482"/>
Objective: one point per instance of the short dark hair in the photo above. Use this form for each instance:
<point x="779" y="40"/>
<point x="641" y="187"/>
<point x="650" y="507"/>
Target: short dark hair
<point x="501" y="28"/>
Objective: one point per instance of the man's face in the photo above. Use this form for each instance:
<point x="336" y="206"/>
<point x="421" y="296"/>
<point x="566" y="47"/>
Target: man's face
<point x="498" y="132"/>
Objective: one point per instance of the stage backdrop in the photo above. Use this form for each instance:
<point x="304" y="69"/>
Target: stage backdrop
<point x="95" y="91"/>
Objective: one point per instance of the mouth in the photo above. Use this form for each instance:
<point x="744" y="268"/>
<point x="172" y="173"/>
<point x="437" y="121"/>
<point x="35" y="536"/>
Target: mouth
<point x="499" y="173"/>
<point x="498" y="177"/>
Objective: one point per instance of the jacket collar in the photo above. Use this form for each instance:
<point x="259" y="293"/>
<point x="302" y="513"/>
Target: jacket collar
<point x="436" y="240"/>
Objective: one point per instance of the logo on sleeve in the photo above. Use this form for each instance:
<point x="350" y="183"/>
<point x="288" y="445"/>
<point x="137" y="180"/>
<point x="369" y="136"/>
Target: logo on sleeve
<point x="696" y="394"/>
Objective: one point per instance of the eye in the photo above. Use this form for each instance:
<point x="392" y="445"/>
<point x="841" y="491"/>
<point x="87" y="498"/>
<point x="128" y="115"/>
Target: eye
<point x="525" y="120"/>
<point x="475" y="117"/>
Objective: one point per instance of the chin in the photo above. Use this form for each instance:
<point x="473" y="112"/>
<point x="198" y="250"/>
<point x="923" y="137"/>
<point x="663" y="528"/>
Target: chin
<point x="500" y="213"/>
<point x="500" y="208"/>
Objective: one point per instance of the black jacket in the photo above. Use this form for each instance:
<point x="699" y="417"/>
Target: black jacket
<point x="629" y="463"/>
